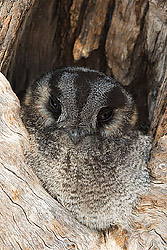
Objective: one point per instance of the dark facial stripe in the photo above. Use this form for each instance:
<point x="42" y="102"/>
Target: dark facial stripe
<point x="55" y="90"/>
<point x="82" y="86"/>
<point x="116" y="98"/>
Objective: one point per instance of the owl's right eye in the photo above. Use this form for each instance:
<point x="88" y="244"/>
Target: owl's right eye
<point x="105" y="115"/>
<point x="55" y="105"/>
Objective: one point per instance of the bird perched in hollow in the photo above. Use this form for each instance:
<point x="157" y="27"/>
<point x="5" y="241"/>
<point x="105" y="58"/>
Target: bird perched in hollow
<point x="85" y="145"/>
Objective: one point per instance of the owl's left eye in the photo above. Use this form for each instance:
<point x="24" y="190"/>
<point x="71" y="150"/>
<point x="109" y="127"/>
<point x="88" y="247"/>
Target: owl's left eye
<point x="55" y="105"/>
<point x="104" y="115"/>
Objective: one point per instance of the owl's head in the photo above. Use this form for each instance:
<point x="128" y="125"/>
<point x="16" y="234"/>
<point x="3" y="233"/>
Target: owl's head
<point x="80" y="102"/>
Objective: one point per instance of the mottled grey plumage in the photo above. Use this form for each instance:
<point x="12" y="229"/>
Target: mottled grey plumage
<point x="85" y="147"/>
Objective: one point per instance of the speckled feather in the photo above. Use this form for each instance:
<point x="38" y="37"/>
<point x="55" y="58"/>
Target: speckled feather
<point x="98" y="179"/>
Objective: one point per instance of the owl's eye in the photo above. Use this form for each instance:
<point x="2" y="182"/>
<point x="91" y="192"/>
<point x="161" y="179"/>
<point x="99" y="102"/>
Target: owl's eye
<point x="104" y="115"/>
<point x="55" y="105"/>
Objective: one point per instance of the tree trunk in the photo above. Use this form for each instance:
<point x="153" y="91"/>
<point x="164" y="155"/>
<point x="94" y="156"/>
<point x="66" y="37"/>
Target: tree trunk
<point x="126" y="39"/>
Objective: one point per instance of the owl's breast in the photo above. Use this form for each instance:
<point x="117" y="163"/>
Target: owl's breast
<point x="98" y="182"/>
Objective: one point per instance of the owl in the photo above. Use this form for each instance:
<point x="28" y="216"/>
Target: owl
<point x="85" y="145"/>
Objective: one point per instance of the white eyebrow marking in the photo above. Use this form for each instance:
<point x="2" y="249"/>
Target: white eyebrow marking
<point x="68" y="89"/>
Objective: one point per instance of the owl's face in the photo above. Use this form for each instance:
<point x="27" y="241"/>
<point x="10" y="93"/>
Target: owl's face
<point x="80" y="103"/>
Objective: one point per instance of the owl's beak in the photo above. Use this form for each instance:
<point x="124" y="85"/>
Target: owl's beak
<point x="74" y="135"/>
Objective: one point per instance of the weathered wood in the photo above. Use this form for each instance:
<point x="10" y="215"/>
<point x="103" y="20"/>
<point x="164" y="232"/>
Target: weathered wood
<point x="122" y="39"/>
<point x="156" y="50"/>
<point x="13" y="15"/>
<point x="159" y="121"/>
<point x="92" y="27"/>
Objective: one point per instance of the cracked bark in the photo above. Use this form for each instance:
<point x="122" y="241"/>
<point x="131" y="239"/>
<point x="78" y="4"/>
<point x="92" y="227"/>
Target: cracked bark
<point x="127" y="39"/>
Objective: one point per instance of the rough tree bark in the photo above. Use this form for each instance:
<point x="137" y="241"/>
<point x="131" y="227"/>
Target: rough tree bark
<point x="125" y="38"/>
